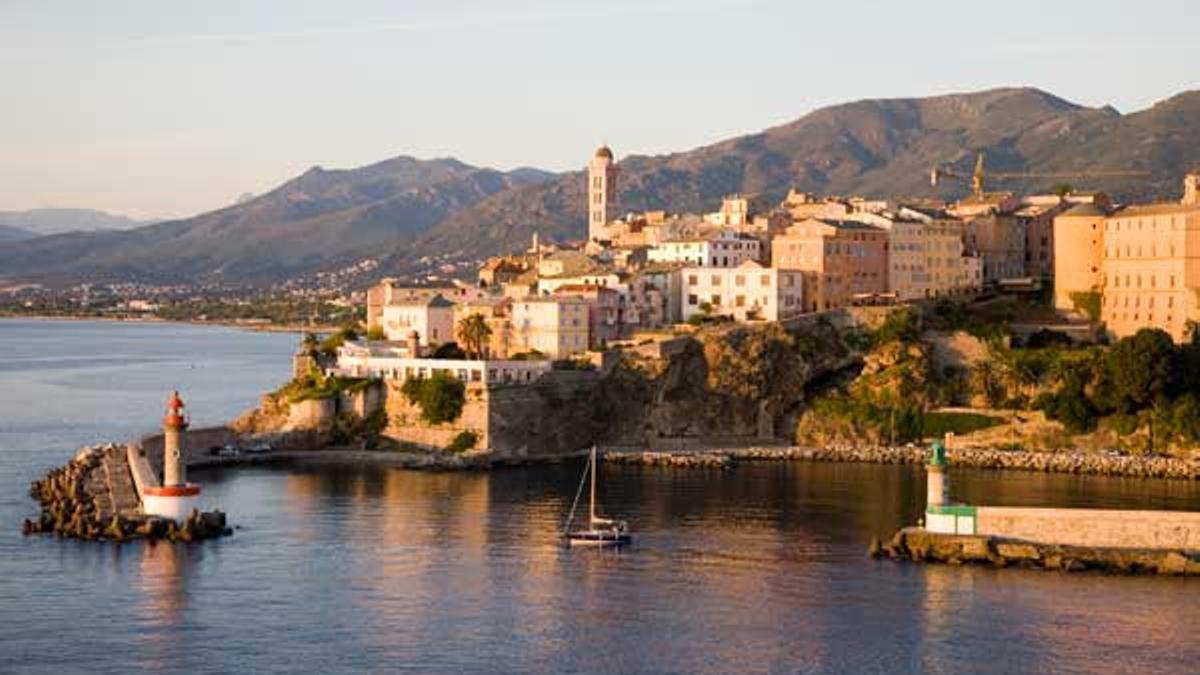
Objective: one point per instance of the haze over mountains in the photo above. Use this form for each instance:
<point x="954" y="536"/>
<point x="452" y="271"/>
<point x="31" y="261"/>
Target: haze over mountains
<point x="404" y="209"/>
<point x="41" y="222"/>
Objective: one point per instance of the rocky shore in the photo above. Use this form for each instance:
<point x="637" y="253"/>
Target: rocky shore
<point x="92" y="497"/>
<point x="979" y="458"/>
<point x="917" y="544"/>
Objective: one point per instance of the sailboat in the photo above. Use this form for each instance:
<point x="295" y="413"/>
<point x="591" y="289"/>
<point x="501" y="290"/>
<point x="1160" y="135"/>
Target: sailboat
<point x="600" y="531"/>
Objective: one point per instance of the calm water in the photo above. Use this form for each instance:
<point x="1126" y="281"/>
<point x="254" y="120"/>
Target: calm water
<point x="761" y="569"/>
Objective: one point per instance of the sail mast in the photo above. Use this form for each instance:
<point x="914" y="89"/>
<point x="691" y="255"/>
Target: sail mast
<point x="592" y="501"/>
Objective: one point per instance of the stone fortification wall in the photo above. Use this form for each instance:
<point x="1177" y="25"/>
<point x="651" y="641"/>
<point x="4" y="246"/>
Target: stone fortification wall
<point x="552" y="417"/>
<point x="405" y="424"/>
<point x="314" y="413"/>
<point x="1092" y="527"/>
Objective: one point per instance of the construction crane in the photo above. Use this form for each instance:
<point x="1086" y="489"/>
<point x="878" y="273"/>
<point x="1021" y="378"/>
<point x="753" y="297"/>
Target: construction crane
<point x="977" y="178"/>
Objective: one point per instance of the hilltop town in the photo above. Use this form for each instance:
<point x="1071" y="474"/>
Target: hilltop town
<point x="734" y="323"/>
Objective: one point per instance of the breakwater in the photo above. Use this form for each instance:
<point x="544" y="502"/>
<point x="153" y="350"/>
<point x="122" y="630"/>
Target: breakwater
<point x="93" y="497"/>
<point x="918" y="544"/>
<point x="980" y="458"/>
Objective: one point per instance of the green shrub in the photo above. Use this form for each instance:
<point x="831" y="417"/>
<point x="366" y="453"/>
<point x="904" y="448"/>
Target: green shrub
<point x="440" y="397"/>
<point x="938" y="424"/>
<point x="376" y="334"/>
<point x="902" y="325"/>
<point x="465" y="440"/>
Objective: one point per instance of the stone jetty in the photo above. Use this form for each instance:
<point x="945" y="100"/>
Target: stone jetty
<point x="1064" y="461"/>
<point x="93" y="497"/>
<point x="919" y="544"/>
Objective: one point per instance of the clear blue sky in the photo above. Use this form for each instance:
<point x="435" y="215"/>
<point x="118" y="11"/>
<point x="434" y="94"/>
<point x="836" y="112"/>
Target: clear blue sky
<point x="169" y="108"/>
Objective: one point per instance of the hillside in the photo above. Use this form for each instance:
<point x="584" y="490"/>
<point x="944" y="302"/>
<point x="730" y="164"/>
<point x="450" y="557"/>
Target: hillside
<point x="319" y="219"/>
<point x="874" y="147"/>
<point x="403" y="210"/>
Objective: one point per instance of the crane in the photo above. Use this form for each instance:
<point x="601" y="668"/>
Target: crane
<point x="977" y="178"/>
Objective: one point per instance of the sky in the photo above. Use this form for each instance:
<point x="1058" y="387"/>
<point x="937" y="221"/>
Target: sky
<point x="166" y="109"/>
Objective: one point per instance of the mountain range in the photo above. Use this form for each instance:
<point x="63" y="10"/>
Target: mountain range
<point x="42" y="222"/>
<point x="405" y="211"/>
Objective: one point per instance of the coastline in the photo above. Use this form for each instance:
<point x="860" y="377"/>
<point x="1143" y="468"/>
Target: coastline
<point x="250" y="326"/>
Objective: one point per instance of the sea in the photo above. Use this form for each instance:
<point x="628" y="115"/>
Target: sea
<point x="362" y="569"/>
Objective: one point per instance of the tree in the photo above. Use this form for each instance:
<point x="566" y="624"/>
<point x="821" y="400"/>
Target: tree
<point x="376" y="333"/>
<point x="440" y="397"/>
<point x="473" y="332"/>
<point x="1140" y="368"/>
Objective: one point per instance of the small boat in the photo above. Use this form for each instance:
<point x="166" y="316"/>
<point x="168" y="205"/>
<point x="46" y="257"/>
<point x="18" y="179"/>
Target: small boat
<point x="600" y="532"/>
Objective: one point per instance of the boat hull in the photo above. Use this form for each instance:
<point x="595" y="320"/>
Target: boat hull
<point x="597" y="539"/>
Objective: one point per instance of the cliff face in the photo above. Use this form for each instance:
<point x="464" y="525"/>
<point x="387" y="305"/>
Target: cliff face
<point x="741" y="381"/>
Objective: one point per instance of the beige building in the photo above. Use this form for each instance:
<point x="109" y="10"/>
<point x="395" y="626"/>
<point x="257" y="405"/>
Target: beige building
<point x="746" y="292"/>
<point x="1078" y="254"/>
<point x="556" y="326"/>
<point x="497" y="314"/>
<point x="734" y="213"/>
<point x="843" y="261"/>
<point x="391" y="292"/>
<point x="1150" y="266"/>
<point x="431" y="320"/>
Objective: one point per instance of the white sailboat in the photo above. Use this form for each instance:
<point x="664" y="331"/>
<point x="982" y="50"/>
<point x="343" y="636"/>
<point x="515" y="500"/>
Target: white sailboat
<point x="600" y="531"/>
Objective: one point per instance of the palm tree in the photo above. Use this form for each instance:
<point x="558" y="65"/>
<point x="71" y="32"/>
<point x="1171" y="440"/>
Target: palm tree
<point x="473" y="332"/>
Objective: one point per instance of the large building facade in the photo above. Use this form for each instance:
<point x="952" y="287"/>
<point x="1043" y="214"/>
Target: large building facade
<point x="842" y="261"/>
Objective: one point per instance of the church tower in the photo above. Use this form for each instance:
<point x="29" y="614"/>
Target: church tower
<point x="602" y="193"/>
<point x="1191" y="188"/>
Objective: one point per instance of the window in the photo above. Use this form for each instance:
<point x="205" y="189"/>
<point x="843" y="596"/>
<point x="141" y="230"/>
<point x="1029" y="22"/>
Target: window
<point x="716" y="280"/>
<point x="716" y="300"/>
<point x="693" y="280"/>
<point x="693" y="300"/>
<point x="740" y="301"/>
<point x="739" y="280"/>
<point x="765" y="280"/>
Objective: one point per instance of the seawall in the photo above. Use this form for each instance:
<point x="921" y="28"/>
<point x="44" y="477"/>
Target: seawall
<point x="918" y="544"/>
<point x="978" y="458"/>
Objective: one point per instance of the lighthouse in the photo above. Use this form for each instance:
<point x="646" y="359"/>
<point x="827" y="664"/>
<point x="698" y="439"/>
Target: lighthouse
<point x="175" y="498"/>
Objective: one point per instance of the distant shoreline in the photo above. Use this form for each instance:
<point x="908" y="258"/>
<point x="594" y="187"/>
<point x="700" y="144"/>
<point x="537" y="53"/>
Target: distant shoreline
<point x="254" y="327"/>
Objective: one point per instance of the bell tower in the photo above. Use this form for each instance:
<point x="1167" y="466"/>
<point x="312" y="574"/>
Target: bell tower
<point x="602" y="193"/>
<point x="1191" y="188"/>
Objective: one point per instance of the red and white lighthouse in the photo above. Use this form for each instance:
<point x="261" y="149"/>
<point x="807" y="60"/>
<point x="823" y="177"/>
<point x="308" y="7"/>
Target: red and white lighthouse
<point x="176" y="497"/>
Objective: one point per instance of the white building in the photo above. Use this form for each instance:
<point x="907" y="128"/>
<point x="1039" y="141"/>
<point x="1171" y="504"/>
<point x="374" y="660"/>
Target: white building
<point x="746" y="292"/>
<point x="357" y="359"/>
<point x="726" y="248"/>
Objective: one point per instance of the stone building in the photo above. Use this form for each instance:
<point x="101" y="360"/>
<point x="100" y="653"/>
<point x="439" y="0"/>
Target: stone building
<point x="602" y="193"/>
<point x="746" y="292"/>
<point x="843" y="261"/>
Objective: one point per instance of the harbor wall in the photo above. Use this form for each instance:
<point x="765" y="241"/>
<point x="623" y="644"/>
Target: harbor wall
<point x="1092" y="527"/>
